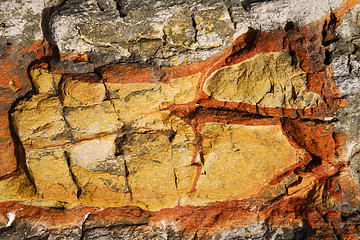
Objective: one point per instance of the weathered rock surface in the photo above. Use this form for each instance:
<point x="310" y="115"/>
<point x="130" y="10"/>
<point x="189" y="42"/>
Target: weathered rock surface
<point x="345" y="53"/>
<point x="267" y="80"/>
<point x="131" y="150"/>
<point x="170" y="32"/>
<point x="179" y="119"/>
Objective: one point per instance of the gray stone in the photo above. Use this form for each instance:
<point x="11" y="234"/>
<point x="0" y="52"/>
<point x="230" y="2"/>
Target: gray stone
<point x="345" y="55"/>
<point x="170" y="32"/>
<point x="162" y="32"/>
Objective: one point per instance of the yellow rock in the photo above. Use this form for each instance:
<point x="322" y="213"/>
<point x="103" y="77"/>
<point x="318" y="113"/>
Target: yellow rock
<point x="158" y="161"/>
<point x="92" y="121"/>
<point x="51" y="173"/>
<point x="266" y="80"/>
<point x="84" y="149"/>
<point x="45" y="82"/>
<point x="239" y="160"/>
<point x="39" y="122"/>
<point x="134" y="100"/>
<point x="77" y="93"/>
<point x="101" y="188"/>
<point x="182" y="90"/>
<point x="97" y="154"/>
<point x="17" y="187"/>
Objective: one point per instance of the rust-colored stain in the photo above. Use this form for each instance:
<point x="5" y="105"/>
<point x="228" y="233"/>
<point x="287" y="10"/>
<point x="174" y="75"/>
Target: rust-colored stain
<point x="308" y="44"/>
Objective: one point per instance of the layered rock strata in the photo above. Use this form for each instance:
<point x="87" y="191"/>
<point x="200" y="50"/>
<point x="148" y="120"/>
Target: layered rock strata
<point x="179" y="120"/>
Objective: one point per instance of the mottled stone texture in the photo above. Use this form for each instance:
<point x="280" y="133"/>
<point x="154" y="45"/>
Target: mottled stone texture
<point x="125" y="119"/>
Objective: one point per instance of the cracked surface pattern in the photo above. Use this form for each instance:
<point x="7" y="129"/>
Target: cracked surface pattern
<point x="234" y="119"/>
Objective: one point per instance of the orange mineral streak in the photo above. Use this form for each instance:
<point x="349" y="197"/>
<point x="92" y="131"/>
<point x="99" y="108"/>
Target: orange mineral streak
<point x="219" y="217"/>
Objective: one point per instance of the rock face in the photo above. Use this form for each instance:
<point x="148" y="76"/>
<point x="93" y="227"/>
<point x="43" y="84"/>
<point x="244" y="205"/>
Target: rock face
<point x="266" y="80"/>
<point x="233" y="119"/>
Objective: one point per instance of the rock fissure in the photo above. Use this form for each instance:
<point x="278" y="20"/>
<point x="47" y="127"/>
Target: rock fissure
<point x="71" y="173"/>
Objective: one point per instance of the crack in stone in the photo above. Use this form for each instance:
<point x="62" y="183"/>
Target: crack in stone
<point x="232" y="18"/>
<point x="193" y="22"/>
<point x="73" y="177"/>
<point x="127" y="188"/>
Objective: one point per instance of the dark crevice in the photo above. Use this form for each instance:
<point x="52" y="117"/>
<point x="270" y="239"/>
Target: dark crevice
<point x="239" y="48"/>
<point x="295" y="183"/>
<point x="127" y="185"/>
<point x="350" y="216"/>
<point x="82" y="236"/>
<point x="194" y="26"/>
<point x="349" y="64"/>
<point x="202" y="158"/>
<point x="119" y="142"/>
<point x="312" y="165"/>
<point x="288" y="26"/>
<point x="113" y="227"/>
<point x="294" y="59"/>
<point x="224" y="113"/>
<point x="328" y="32"/>
<point x="120" y="7"/>
<point x="72" y="175"/>
<point x="327" y="59"/>
<point x="99" y="5"/>
<point x="60" y="207"/>
<point x="231" y="14"/>
<point x="175" y="179"/>
<point x="171" y="135"/>
<point x="43" y="237"/>
<point x="63" y="111"/>
<point x="336" y="233"/>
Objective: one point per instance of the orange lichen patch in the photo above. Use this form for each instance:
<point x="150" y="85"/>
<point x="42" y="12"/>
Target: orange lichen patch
<point x="49" y="217"/>
<point x="4" y="126"/>
<point x="199" y="116"/>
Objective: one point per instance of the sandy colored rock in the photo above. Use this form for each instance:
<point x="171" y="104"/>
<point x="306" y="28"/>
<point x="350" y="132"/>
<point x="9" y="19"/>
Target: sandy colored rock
<point x="134" y="100"/>
<point x="51" y="173"/>
<point x="101" y="188"/>
<point x="44" y="81"/>
<point x="239" y="160"/>
<point x="92" y="121"/>
<point x="97" y="155"/>
<point x="158" y="161"/>
<point x="39" y="121"/>
<point x="78" y="93"/>
<point x="267" y="80"/>
<point x="17" y="187"/>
